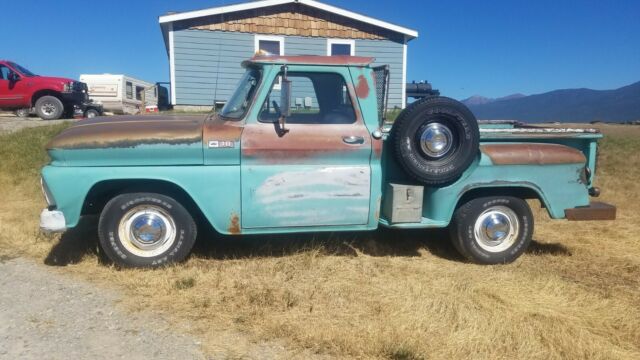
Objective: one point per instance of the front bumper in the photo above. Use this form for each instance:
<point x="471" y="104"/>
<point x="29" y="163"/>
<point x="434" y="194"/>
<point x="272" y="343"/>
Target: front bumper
<point x="52" y="221"/>
<point x="594" y="211"/>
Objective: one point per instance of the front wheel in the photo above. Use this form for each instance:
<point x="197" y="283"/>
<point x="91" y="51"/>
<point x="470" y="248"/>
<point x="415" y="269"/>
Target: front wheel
<point x="492" y="230"/>
<point x="146" y="230"/>
<point x="49" y="108"/>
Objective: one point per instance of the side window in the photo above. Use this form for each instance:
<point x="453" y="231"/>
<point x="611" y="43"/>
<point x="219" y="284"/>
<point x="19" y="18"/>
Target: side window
<point x="129" y="86"/>
<point x="4" y="72"/>
<point x="139" y="91"/>
<point x="316" y="98"/>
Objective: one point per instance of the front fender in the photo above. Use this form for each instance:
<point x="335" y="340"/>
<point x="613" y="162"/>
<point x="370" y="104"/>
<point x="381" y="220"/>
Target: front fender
<point x="215" y="190"/>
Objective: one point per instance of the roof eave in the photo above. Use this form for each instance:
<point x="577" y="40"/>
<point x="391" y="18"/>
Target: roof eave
<point x="409" y="33"/>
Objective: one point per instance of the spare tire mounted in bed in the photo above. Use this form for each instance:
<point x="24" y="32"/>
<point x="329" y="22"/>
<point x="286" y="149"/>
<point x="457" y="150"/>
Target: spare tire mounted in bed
<point x="436" y="139"/>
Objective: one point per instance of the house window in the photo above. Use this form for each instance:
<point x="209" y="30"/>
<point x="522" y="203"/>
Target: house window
<point x="341" y="47"/>
<point x="129" y="86"/>
<point x="273" y="45"/>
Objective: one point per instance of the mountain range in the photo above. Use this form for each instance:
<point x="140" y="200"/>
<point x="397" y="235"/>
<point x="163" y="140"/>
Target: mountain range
<point x="568" y="105"/>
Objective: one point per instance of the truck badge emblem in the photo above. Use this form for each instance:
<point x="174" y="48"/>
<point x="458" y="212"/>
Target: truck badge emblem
<point x="216" y="144"/>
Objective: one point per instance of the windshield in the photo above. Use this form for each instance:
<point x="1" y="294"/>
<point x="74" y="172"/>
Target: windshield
<point x="240" y="101"/>
<point x="22" y="70"/>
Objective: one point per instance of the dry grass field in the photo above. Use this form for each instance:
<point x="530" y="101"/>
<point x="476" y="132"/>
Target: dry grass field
<point x="389" y="294"/>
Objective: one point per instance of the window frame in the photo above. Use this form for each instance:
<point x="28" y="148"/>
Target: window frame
<point x="294" y="73"/>
<point x="350" y="42"/>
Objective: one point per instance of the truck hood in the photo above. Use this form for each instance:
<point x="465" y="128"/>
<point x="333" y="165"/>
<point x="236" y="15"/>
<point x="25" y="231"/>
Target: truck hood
<point x="130" y="140"/>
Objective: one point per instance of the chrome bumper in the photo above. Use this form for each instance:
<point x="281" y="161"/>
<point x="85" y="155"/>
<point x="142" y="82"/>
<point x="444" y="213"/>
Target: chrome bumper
<point x="52" y="221"/>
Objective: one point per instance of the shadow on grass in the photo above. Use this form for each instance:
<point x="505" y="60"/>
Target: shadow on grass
<point x="75" y="244"/>
<point x="379" y="243"/>
<point x="554" y="249"/>
<point x="82" y="240"/>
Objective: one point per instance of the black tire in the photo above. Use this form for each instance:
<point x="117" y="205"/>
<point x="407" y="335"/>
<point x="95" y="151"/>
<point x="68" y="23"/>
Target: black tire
<point x="470" y="240"/>
<point x="126" y="250"/>
<point x="430" y="167"/>
<point x="91" y="113"/>
<point x="22" y="113"/>
<point x="49" y="107"/>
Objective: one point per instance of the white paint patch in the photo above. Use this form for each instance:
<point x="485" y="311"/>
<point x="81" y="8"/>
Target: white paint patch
<point x="327" y="196"/>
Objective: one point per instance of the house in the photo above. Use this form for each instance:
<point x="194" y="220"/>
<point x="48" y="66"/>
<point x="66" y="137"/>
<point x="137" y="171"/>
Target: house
<point x="206" y="47"/>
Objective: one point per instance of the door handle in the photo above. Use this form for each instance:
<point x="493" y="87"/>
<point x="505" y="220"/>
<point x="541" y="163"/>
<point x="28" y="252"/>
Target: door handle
<point x="353" y="140"/>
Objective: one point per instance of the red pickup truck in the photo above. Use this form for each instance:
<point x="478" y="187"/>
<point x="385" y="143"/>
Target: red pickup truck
<point x="51" y="97"/>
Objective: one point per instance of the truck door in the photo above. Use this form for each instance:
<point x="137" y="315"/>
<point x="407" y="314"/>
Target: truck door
<point x="11" y="95"/>
<point x="316" y="172"/>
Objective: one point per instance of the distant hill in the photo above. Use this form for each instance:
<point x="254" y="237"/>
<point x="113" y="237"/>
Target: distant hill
<point x="481" y="100"/>
<point x="570" y="105"/>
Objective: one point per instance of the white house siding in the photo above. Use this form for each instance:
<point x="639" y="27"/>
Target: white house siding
<point x="207" y="63"/>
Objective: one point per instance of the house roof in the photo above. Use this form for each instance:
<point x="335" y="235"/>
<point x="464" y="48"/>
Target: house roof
<point x="310" y="60"/>
<point x="170" y="18"/>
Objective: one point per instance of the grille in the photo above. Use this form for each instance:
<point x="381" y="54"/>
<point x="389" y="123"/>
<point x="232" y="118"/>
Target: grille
<point x="381" y="79"/>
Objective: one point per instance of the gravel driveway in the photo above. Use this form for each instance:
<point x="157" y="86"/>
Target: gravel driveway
<point x="44" y="315"/>
<point x="10" y="123"/>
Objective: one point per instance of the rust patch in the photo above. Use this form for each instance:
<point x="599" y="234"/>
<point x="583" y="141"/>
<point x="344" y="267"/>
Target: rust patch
<point x="129" y="132"/>
<point x="595" y="211"/>
<point x="215" y="128"/>
<point x="537" y="154"/>
<point x="234" y="225"/>
<point x="310" y="60"/>
<point x="261" y="141"/>
<point x="362" y="89"/>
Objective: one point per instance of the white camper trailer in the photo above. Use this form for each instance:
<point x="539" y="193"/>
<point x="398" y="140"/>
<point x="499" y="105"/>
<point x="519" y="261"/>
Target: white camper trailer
<point x="121" y="94"/>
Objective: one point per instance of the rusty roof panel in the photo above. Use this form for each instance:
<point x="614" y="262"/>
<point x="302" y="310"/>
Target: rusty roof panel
<point x="340" y="60"/>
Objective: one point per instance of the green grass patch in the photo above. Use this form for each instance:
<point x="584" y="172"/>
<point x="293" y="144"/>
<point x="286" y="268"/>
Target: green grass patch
<point x="22" y="154"/>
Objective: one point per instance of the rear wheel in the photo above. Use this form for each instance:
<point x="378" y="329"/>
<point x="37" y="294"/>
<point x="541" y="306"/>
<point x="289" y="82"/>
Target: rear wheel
<point x="91" y="113"/>
<point x="492" y="230"/>
<point x="146" y="230"/>
<point x="436" y="139"/>
<point x="23" y="113"/>
<point x="49" y="107"/>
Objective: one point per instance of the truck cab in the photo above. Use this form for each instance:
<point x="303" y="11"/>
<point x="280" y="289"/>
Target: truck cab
<point x="303" y="146"/>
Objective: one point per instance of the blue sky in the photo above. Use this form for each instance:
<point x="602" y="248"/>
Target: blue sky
<point x="491" y="48"/>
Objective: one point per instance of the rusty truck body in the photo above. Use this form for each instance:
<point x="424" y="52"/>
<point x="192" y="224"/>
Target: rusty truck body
<point x="303" y="146"/>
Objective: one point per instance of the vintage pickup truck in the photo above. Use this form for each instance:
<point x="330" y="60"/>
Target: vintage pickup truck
<point x="303" y="146"/>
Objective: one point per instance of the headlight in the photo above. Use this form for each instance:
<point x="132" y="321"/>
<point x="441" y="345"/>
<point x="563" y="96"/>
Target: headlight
<point x="68" y="87"/>
<point x="47" y="193"/>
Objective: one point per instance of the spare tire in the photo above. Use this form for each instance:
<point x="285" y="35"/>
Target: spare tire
<point x="436" y="139"/>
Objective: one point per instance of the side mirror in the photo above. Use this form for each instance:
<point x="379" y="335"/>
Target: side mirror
<point x="13" y="77"/>
<point x="285" y="98"/>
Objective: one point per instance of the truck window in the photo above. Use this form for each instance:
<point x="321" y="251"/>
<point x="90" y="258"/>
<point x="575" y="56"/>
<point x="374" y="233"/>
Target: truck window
<point x="316" y="98"/>
<point x="4" y="72"/>
<point x="129" y="90"/>
<point x="139" y="91"/>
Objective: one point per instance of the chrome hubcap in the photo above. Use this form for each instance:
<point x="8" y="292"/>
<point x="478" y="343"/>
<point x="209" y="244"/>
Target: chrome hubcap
<point x="147" y="231"/>
<point x="497" y="229"/>
<point x="436" y="140"/>
<point x="48" y="108"/>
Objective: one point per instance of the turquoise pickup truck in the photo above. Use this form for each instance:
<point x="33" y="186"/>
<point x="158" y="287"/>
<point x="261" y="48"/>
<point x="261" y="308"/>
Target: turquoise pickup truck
<point x="303" y="146"/>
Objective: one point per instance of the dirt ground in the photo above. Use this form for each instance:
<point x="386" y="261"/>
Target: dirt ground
<point x="10" y="123"/>
<point x="45" y="315"/>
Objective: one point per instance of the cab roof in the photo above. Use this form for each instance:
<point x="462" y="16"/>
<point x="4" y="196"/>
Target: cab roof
<point x="340" y="60"/>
